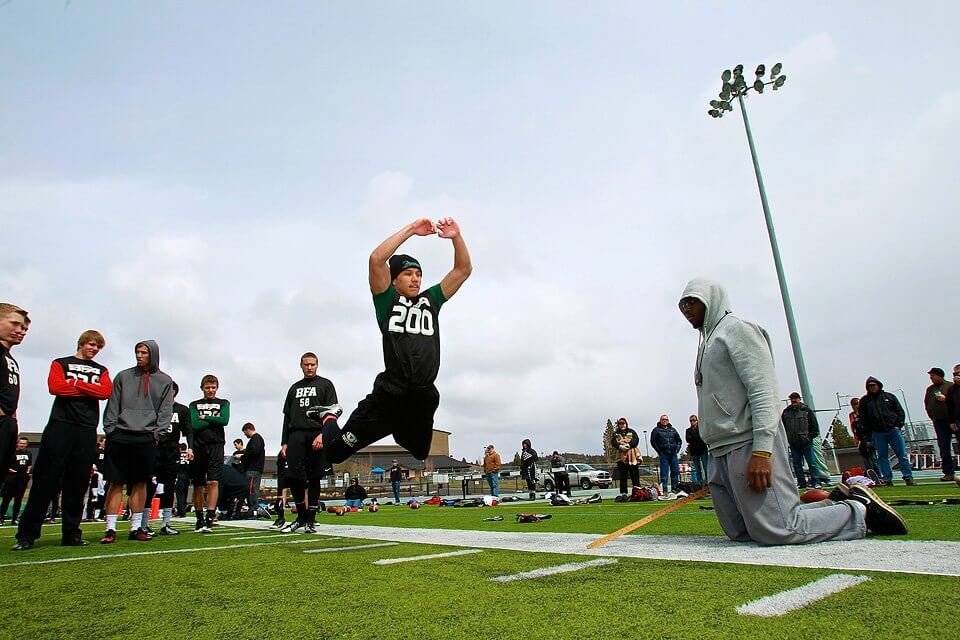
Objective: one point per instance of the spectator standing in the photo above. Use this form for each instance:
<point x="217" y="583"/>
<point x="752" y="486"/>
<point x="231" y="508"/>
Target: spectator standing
<point x="355" y="494"/>
<point x="863" y="438"/>
<point x="528" y="466"/>
<point x="953" y="410"/>
<point x="14" y="324"/>
<point x="396" y="476"/>
<point x="800" y="426"/>
<point x="883" y="416"/>
<point x="254" y="455"/>
<point x="15" y="484"/>
<point x="935" y="402"/>
<point x="697" y="449"/>
<point x="68" y="448"/>
<point x="561" y="479"/>
<point x="667" y="443"/>
<point x="491" y="469"/>
<point x="626" y="443"/>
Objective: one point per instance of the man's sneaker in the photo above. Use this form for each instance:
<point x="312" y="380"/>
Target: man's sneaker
<point x="881" y="518"/>
<point x="23" y="544"/>
<point x="75" y="540"/>
<point x="945" y="478"/>
<point x="109" y="537"/>
<point x="207" y="526"/>
<point x="309" y="528"/>
<point x="873" y="475"/>
<point x="278" y="523"/>
<point x="167" y="530"/>
<point x="909" y="482"/>
<point x="140" y="536"/>
<point x="294" y="527"/>
<point x="150" y="532"/>
<point x="840" y="492"/>
<point x="318" y="413"/>
<point x="198" y="528"/>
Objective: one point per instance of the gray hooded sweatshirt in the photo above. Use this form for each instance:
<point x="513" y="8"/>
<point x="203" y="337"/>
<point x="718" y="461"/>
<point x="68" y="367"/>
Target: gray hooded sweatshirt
<point x="737" y="388"/>
<point x="142" y="401"/>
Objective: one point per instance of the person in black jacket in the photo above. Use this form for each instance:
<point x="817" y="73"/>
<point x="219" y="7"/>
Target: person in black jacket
<point x="882" y="414"/>
<point x="355" y="494"/>
<point x="667" y="443"/>
<point x="396" y="475"/>
<point x="528" y="466"/>
<point x="626" y="442"/>
<point x="561" y="479"/>
<point x="800" y="425"/>
<point x="697" y="449"/>
<point x="168" y="462"/>
<point x="953" y="406"/>
<point x="254" y="455"/>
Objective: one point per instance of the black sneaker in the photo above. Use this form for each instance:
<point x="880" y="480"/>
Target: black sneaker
<point x="294" y="527"/>
<point x="873" y="475"/>
<point x="23" y="544"/>
<point x="198" y="528"/>
<point x="207" y="526"/>
<point x="318" y="413"/>
<point x="167" y="530"/>
<point x="881" y="518"/>
<point x="278" y="523"/>
<point x="150" y="532"/>
<point x="73" y="541"/>
<point x="310" y="528"/>
<point x="840" y="492"/>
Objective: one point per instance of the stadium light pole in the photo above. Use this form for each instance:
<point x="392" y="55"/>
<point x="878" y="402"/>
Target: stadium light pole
<point x="736" y="86"/>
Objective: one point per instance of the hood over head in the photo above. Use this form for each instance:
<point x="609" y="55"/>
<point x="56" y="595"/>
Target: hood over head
<point x="714" y="297"/>
<point x="154" y="350"/>
<point x="872" y="379"/>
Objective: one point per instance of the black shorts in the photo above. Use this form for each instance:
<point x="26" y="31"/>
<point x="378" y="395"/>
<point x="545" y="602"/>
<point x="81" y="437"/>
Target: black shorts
<point x="303" y="462"/>
<point x="129" y="459"/>
<point x="406" y="414"/>
<point x="207" y="464"/>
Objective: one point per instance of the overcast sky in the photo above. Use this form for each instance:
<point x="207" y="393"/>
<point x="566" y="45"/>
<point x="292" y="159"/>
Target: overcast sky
<point x="214" y="176"/>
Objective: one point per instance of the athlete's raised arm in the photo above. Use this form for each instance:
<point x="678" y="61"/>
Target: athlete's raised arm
<point x="379" y="271"/>
<point x="462" y="267"/>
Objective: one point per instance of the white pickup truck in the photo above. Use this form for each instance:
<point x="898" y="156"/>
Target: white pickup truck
<point x="581" y="475"/>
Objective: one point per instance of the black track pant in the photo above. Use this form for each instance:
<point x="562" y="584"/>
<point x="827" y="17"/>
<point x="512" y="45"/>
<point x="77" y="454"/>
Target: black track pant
<point x="168" y="460"/>
<point x="63" y="465"/>
<point x="624" y="470"/>
<point x="13" y="489"/>
<point x="8" y="441"/>
<point x="406" y="414"/>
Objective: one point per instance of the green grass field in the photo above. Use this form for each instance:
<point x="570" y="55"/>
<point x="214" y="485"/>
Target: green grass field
<point x="266" y="586"/>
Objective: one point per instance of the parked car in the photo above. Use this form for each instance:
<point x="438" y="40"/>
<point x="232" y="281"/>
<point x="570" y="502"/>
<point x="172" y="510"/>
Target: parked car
<point x="582" y="475"/>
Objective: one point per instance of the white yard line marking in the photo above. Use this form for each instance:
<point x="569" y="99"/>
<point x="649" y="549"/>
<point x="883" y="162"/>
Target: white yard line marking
<point x="786" y="601"/>
<point x="550" y="571"/>
<point x="269" y="535"/>
<point x="162" y="552"/>
<point x="352" y="547"/>
<point x="449" y="554"/>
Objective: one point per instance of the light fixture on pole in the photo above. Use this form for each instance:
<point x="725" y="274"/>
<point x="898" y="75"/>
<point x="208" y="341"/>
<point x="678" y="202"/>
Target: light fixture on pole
<point x="736" y="86"/>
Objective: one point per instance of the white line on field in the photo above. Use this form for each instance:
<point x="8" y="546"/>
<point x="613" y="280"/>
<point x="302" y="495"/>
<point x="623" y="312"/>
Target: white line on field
<point x="352" y="547"/>
<point x="786" y="601"/>
<point x="549" y="571"/>
<point x="449" y="554"/>
<point x="156" y="553"/>
<point x="269" y="535"/>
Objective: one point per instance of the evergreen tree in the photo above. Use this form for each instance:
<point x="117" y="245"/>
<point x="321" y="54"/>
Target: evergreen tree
<point x="841" y="437"/>
<point x="609" y="453"/>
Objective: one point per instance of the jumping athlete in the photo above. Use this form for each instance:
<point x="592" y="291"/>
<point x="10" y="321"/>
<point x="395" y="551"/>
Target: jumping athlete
<point x="308" y="400"/>
<point x="208" y="416"/>
<point x="404" y="398"/>
<point x="68" y="448"/>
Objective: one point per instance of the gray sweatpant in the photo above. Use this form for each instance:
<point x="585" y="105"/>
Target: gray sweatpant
<point x="776" y="516"/>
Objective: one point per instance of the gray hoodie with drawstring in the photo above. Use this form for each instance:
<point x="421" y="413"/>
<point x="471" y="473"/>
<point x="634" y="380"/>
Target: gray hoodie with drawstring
<point x="142" y="400"/>
<point x="737" y="389"/>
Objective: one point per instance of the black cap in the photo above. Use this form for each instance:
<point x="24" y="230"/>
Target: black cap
<point x="402" y="262"/>
<point x="794" y="395"/>
<point x="938" y="371"/>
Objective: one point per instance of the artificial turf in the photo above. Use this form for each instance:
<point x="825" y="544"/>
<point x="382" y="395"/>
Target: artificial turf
<point x="270" y="588"/>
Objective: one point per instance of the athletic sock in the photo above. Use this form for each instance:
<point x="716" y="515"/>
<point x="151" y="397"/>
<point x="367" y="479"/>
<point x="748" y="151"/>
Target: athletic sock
<point x="112" y="521"/>
<point x="135" y="520"/>
<point x="167" y="514"/>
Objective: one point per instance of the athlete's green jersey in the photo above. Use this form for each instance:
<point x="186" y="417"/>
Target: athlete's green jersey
<point x="411" y="335"/>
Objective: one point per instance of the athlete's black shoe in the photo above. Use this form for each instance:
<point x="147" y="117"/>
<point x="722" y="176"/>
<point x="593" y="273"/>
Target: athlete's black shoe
<point x="881" y="518"/>
<point x="23" y="544"/>
<point x="167" y="530"/>
<point x="278" y="523"/>
<point x="318" y="413"/>
<point x="294" y="527"/>
<point x="74" y="541"/>
<point x="310" y="528"/>
<point x="208" y="525"/>
<point x="198" y="528"/>
<point x="146" y="529"/>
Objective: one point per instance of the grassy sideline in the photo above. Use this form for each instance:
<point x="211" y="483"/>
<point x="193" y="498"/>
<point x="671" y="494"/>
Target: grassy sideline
<point x="275" y="590"/>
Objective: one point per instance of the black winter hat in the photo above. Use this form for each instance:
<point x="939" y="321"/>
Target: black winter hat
<point x="402" y="262"/>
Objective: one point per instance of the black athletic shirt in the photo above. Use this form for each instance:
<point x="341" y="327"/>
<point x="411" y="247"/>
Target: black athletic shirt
<point x="308" y="392"/>
<point x="21" y="460"/>
<point x="216" y="413"/>
<point x="78" y="386"/>
<point x="411" y="335"/>
<point x="179" y="426"/>
<point x="9" y="382"/>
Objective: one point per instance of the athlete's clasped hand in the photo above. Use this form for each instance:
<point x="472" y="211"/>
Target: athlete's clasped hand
<point x="444" y="227"/>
